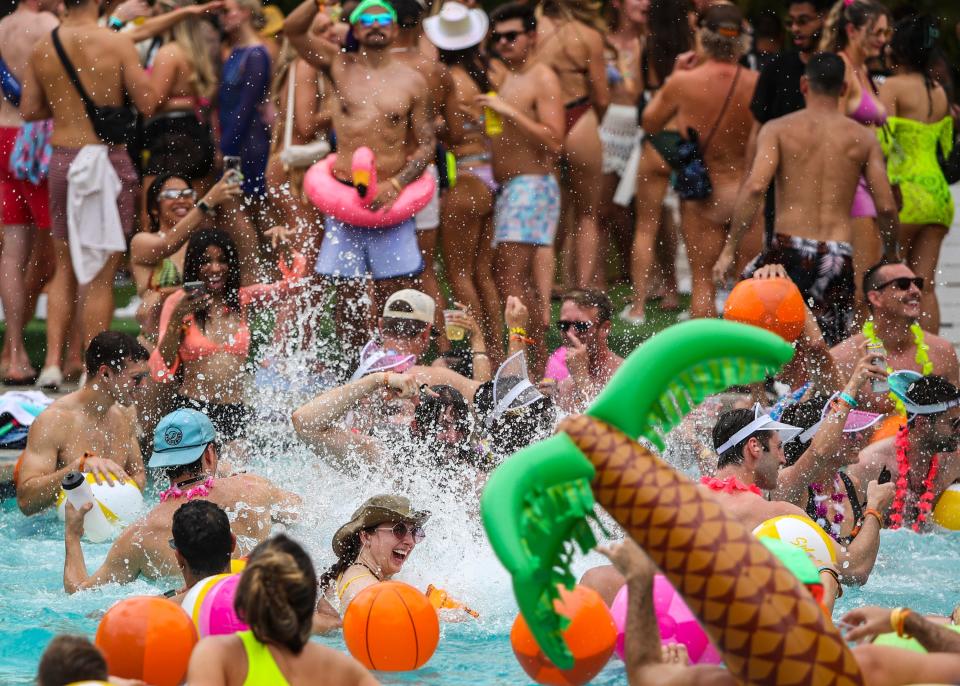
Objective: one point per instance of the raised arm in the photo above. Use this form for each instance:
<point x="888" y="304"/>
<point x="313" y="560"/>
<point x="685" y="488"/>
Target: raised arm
<point x="764" y="168"/>
<point x="148" y="249"/>
<point x="316" y="50"/>
<point x="161" y="23"/>
<point x="856" y="561"/>
<point x="123" y="563"/>
<point x="136" y="82"/>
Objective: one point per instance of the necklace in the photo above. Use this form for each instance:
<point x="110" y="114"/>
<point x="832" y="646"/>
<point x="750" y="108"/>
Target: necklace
<point x="902" y="442"/>
<point x="921" y="358"/>
<point x="822" y="504"/>
<point x="368" y="568"/>
<point x="729" y="485"/>
<point x="200" y="491"/>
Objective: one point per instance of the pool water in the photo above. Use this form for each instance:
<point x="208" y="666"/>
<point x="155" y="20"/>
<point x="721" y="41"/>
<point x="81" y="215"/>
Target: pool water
<point x="915" y="571"/>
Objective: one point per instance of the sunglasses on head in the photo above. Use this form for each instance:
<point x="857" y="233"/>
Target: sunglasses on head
<point x="582" y="327"/>
<point x="368" y="20"/>
<point x="509" y="36"/>
<point x="902" y="283"/>
<point x="401" y="529"/>
<point x="177" y="193"/>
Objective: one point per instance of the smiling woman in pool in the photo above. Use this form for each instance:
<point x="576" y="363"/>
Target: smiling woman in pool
<point x="373" y="546"/>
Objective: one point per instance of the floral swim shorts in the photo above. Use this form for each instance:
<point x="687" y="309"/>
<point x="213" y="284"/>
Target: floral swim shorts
<point x="528" y="210"/>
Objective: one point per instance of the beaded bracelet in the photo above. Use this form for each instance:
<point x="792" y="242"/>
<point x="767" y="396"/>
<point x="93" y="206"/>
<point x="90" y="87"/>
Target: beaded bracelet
<point x="836" y="577"/>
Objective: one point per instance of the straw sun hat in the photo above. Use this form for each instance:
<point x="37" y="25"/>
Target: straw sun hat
<point x="456" y="27"/>
<point x="377" y="510"/>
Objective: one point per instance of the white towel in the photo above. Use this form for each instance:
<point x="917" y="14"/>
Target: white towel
<point x="14" y="401"/>
<point x="94" y="231"/>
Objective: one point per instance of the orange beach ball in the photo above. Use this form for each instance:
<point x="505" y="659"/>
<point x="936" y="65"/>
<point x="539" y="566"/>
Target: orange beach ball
<point x="391" y="627"/>
<point x="772" y="304"/>
<point x="590" y="637"/>
<point x="147" y="638"/>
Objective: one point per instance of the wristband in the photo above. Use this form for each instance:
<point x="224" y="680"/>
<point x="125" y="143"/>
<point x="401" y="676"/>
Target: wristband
<point x="115" y="23"/>
<point x="83" y="463"/>
<point x="206" y="209"/>
<point x="396" y="184"/>
<point x="848" y="399"/>
<point x="523" y="339"/>
<point x="518" y="331"/>
<point x="480" y="353"/>
<point x="875" y="513"/>
<point x="836" y="577"/>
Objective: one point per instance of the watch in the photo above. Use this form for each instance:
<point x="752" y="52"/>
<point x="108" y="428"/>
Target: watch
<point x="206" y="209"/>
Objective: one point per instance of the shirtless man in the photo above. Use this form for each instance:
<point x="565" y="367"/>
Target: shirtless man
<point x="92" y="429"/>
<point x="816" y="156"/>
<point x="527" y="212"/>
<point x="750" y="463"/>
<point x="712" y="99"/>
<point x="408" y="48"/>
<point x="572" y="45"/>
<point x="892" y="293"/>
<point x="382" y="104"/>
<point x="109" y="68"/>
<point x="23" y="204"/>
<point x="933" y="419"/>
<point x="585" y="325"/>
<point x="183" y="445"/>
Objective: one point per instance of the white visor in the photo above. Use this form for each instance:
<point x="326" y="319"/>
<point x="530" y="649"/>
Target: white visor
<point x="512" y="388"/>
<point x="761" y="422"/>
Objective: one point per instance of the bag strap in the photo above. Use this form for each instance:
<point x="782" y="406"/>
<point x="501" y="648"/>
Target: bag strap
<point x="70" y="69"/>
<point x="723" y="111"/>
<point x="291" y="86"/>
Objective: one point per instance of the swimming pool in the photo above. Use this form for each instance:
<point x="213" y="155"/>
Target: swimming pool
<point x="918" y="571"/>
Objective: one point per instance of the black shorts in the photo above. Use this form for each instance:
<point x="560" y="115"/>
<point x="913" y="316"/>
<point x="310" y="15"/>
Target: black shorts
<point x="823" y="271"/>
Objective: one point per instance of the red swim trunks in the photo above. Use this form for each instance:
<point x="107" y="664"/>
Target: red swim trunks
<point x="21" y="202"/>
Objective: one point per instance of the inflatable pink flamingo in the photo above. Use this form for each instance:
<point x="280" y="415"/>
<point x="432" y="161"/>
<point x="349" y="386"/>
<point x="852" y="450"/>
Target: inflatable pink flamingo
<point x="351" y="204"/>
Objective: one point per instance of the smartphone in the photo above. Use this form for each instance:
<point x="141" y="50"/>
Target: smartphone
<point x="231" y="163"/>
<point x="192" y="287"/>
<point x="885" y="475"/>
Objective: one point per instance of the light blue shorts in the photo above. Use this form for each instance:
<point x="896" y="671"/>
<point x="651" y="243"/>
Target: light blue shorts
<point x="528" y="210"/>
<point x="356" y="252"/>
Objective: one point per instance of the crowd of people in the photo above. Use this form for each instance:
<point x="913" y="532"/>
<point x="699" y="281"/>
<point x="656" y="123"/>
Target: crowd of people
<point x="230" y="160"/>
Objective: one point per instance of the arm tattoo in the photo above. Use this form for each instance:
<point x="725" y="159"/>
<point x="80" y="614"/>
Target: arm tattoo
<point x="421" y="157"/>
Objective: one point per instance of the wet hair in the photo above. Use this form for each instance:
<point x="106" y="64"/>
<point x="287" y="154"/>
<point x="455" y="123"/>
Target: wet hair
<point x="859" y="14"/>
<point x="914" y="46"/>
<point x="515" y="10"/>
<point x="195" y="257"/>
<point x="471" y="61"/>
<point x="350" y="554"/>
<point x="825" y="73"/>
<point x="68" y="659"/>
<point x="721" y="33"/>
<point x="727" y="425"/>
<point x="930" y="390"/>
<point x="592" y="298"/>
<point x="516" y="429"/>
<point x="201" y="532"/>
<point x="460" y="361"/>
<point x="802" y="415"/>
<point x="409" y="13"/>
<point x="277" y="593"/>
<point x="114" y="349"/>
<point x="153" y="198"/>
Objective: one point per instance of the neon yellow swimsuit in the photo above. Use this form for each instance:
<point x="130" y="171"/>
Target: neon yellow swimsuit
<point x="262" y="669"/>
<point x="911" y="150"/>
<point x="361" y="575"/>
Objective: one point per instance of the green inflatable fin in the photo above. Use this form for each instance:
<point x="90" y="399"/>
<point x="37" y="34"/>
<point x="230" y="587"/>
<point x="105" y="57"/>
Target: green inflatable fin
<point x="539" y="501"/>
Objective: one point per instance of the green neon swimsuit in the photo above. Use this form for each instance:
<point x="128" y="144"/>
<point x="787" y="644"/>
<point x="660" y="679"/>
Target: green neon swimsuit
<point x="262" y="669"/>
<point x="911" y="150"/>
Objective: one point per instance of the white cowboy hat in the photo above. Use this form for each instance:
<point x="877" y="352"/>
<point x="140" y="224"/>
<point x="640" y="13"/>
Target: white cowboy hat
<point x="456" y="27"/>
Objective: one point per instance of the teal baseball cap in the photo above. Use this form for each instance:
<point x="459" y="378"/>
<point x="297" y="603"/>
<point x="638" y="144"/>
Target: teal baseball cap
<point x="180" y="438"/>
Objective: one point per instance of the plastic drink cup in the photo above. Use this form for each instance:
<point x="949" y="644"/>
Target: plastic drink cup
<point x="455" y="332"/>
<point x="880" y="360"/>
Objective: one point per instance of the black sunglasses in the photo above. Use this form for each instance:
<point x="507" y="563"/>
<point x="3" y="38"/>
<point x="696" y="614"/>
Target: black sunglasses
<point x="400" y="530"/>
<point x="582" y="327"/>
<point x="902" y="283"/>
<point x="509" y="36"/>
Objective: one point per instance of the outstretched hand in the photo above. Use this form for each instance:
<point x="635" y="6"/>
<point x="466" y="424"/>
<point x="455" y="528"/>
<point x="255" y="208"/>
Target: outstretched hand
<point x="864" y="623"/>
<point x="629" y="559"/>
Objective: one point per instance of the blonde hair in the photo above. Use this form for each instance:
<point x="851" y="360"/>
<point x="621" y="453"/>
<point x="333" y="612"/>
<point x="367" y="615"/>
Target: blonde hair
<point x="858" y="14"/>
<point x="257" y="17"/>
<point x="277" y="594"/>
<point x="189" y="35"/>
<point x="584" y="11"/>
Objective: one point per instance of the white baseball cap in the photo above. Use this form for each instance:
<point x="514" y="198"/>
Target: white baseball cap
<point x="410" y="304"/>
<point x="456" y="27"/>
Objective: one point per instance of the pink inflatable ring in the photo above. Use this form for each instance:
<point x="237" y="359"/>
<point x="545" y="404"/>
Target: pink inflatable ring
<point x="351" y="204"/>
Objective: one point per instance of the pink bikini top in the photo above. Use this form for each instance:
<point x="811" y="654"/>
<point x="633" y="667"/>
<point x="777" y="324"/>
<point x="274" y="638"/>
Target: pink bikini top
<point x="195" y="345"/>
<point x="869" y="112"/>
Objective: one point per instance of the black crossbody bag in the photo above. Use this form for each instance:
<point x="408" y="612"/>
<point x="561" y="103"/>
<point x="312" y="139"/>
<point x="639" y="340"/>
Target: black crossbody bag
<point x="113" y="125"/>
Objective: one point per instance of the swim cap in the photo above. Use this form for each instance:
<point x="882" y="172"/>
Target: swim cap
<point x="367" y="4"/>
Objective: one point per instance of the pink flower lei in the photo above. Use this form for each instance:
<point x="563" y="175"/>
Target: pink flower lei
<point x="198" y="491"/>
